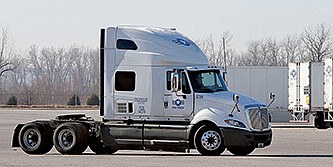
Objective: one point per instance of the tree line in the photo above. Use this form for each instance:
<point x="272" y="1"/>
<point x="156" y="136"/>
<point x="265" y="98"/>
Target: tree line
<point x="49" y="75"/>
<point x="313" y="45"/>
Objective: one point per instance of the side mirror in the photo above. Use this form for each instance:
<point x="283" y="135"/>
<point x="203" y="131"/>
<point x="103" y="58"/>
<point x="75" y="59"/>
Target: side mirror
<point x="272" y="95"/>
<point x="235" y="98"/>
<point x="174" y="82"/>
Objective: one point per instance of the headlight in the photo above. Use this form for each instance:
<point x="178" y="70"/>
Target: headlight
<point x="235" y="123"/>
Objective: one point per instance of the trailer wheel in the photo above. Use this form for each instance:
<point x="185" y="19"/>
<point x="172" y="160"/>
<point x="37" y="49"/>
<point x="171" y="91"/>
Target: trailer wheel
<point x="209" y="141"/>
<point x="71" y="138"/>
<point x="319" y="122"/>
<point x="35" y="138"/>
<point x="99" y="148"/>
<point x="241" y="151"/>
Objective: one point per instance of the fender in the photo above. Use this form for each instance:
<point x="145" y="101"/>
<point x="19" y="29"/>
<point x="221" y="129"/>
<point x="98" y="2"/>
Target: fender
<point x="15" y="141"/>
<point x="217" y="117"/>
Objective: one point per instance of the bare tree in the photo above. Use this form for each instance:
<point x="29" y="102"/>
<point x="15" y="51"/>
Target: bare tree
<point x="265" y="52"/>
<point x="6" y="51"/>
<point x="20" y="81"/>
<point x="255" y="55"/>
<point x="318" y="42"/>
<point x="208" y="48"/>
<point x="60" y="71"/>
<point x="19" y="76"/>
<point x="293" y="48"/>
<point x="273" y="49"/>
<point x="220" y="51"/>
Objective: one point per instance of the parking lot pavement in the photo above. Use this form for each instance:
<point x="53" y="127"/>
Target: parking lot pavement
<point x="294" y="146"/>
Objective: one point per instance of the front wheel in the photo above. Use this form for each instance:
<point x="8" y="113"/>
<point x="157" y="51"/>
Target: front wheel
<point x="209" y="141"/>
<point x="241" y="151"/>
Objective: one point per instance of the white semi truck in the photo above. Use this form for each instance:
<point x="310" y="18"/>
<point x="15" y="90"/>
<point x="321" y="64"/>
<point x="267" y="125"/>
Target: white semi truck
<point x="158" y="93"/>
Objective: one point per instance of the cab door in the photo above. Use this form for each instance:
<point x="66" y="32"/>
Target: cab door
<point x="178" y="104"/>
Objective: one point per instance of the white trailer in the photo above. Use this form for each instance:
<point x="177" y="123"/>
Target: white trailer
<point x="158" y="92"/>
<point x="324" y="118"/>
<point x="259" y="81"/>
<point x="298" y="90"/>
<point x="316" y="100"/>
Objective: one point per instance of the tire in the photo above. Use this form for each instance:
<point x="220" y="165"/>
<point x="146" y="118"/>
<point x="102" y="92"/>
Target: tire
<point x="71" y="138"/>
<point x="99" y="148"/>
<point x="319" y="122"/>
<point x="36" y="138"/>
<point x="241" y="151"/>
<point x="209" y="141"/>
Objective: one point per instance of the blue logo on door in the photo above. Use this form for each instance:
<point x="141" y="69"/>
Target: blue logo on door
<point x="177" y="104"/>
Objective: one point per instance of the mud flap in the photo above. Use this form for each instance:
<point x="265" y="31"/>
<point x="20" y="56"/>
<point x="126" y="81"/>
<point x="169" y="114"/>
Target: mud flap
<point x="15" y="141"/>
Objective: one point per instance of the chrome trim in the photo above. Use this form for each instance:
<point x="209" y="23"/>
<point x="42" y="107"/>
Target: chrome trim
<point x="258" y="118"/>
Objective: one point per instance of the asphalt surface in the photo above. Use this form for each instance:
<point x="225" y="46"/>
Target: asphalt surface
<point x="292" y="145"/>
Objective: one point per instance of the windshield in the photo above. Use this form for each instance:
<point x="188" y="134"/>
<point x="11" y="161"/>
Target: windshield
<point x="207" y="81"/>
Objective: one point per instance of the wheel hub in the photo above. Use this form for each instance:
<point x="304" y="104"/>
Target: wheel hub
<point x="65" y="138"/>
<point x="211" y="140"/>
<point x="31" y="138"/>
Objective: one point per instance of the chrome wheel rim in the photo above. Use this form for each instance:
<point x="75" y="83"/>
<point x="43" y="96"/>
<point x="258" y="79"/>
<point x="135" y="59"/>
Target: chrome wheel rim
<point x="211" y="140"/>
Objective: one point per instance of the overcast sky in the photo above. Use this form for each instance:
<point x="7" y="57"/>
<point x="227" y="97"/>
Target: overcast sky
<point x="61" y="23"/>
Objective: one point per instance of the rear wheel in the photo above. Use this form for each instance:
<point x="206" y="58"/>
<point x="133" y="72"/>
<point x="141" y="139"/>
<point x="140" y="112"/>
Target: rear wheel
<point x="208" y="141"/>
<point x="241" y="151"/>
<point x="36" y="138"/>
<point x="71" y="138"/>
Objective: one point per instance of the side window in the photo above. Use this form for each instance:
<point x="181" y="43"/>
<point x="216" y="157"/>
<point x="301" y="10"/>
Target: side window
<point x="126" y="44"/>
<point x="125" y="81"/>
<point x="185" y="84"/>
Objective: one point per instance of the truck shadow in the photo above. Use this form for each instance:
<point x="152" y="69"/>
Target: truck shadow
<point x="294" y="156"/>
<point x="163" y="154"/>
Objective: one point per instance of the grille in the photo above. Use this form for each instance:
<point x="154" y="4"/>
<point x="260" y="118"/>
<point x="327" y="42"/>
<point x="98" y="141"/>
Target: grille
<point x="258" y="118"/>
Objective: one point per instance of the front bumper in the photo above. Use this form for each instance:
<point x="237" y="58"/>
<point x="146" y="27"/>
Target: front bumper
<point x="241" y="138"/>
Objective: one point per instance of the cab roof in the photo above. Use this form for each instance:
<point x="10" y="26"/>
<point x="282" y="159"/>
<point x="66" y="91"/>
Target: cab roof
<point x="156" y="46"/>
